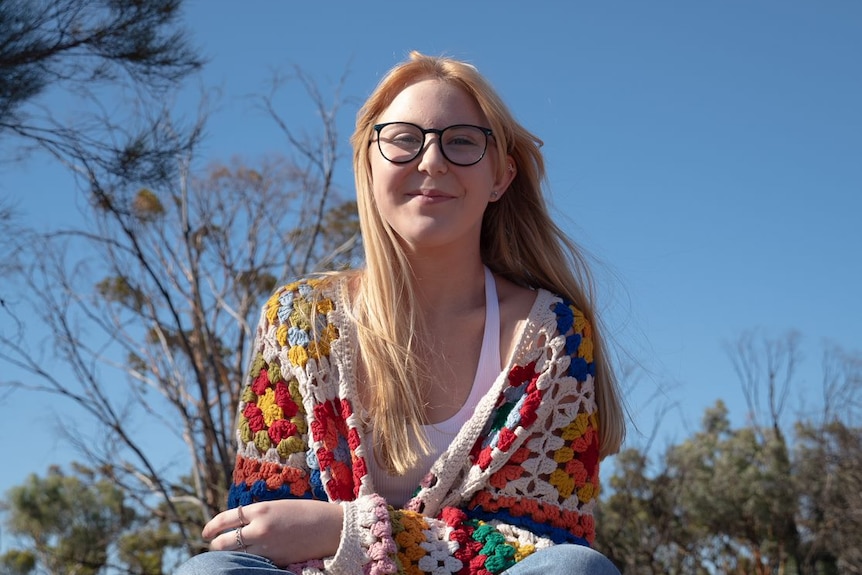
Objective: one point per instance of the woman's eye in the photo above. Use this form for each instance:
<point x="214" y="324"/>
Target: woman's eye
<point x="405" y="139"/>
<point x="461" y="141"/>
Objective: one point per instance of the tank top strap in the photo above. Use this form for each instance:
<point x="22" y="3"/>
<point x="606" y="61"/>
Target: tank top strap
<point x="490" y="363"/>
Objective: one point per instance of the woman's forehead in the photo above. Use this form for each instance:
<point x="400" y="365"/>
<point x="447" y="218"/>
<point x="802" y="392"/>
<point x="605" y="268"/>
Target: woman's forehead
<point x="431" y="101"/>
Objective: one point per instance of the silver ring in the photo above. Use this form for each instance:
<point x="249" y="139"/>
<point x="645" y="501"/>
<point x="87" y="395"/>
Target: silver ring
<point x="242" y="521"/>
<point x="240" y="544"/>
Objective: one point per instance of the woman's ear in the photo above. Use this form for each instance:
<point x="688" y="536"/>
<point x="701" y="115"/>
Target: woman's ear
<point x="502" y="183"/>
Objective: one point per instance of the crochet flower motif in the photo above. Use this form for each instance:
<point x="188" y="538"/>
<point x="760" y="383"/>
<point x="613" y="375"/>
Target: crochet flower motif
<point x="439" y="560"/>
<point x="407" y="529"/>
<point x="273" y="415"/>
<point x="300" y="317"/>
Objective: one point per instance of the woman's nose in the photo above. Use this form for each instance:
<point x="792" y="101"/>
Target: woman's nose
<point x="431" y="158"/>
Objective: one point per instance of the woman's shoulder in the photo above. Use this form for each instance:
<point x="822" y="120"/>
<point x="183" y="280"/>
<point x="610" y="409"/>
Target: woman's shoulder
<point x="519" y="304"/>
<point x="539" y="314"/>
<point x="528" y="316"/>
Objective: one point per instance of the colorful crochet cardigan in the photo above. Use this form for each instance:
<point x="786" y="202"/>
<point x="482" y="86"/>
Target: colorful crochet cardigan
<point x="522" y="474"/>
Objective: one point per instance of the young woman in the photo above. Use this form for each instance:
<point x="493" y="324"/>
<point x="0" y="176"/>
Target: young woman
<point x="443" y="409"/>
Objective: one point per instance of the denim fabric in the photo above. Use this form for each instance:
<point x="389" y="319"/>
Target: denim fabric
<point x="557" y="560"/>
<point x="229" y="563"/>
<point x="565" y="560"/>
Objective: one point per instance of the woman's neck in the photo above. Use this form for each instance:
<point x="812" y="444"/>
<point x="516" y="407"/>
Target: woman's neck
<point x="449" y="285"/>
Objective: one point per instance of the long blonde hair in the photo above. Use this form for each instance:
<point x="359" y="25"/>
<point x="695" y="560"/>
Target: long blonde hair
<point x="519" y="241"/>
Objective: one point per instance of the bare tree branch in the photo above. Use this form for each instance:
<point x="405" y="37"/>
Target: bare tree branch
<point x="152" y="306"/>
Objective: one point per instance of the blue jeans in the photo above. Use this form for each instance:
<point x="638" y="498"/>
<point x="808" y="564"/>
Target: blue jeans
<point x="557" y="560"/>
<point x="229" y="563"/>
<point x="564" y="560"/>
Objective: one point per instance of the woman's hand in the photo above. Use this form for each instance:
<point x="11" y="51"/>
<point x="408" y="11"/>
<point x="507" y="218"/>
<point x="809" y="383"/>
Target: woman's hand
<point x="284" y="531"/>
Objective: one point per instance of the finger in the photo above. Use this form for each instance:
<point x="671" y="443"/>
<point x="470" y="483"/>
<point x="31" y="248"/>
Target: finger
<point x="224" y="541"/>
<point x="224" y="521"/>
<point x="233" y="540"/>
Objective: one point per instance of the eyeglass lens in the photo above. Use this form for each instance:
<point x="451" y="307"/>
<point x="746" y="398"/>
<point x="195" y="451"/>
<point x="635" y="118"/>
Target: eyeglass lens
<point x="461" y="144"/>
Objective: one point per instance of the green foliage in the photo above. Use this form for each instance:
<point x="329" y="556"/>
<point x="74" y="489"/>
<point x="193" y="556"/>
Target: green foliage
<point x="143" y="551"/>
<point x="753" y="499"/>
<point x="70" y="520"/>
<point x="18" y="562"/>
<point x="76" y="524"/>
<point x="735" y="485"/>
<point x="730" y="500"/>
<point x="639" y="525"/>
<point x="828" y="478"/>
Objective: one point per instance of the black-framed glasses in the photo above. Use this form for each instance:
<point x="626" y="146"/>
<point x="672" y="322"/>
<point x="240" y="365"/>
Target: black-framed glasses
<point x="461" y="144"/>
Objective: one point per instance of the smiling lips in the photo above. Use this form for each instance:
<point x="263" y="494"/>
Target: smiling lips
<point x="431" y="196"/>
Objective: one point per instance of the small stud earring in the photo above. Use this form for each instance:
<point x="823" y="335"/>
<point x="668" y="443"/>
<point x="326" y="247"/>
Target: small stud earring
<point x="493" y="195"/>
<point x="511" y="168"/>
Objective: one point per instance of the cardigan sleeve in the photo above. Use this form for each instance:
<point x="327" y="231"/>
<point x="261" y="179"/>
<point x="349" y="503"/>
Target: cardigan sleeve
<point x="278" y="418"/>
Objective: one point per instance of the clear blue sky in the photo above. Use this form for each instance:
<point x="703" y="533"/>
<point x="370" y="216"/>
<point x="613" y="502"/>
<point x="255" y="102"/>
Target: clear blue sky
<point x="708" y="153"/>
